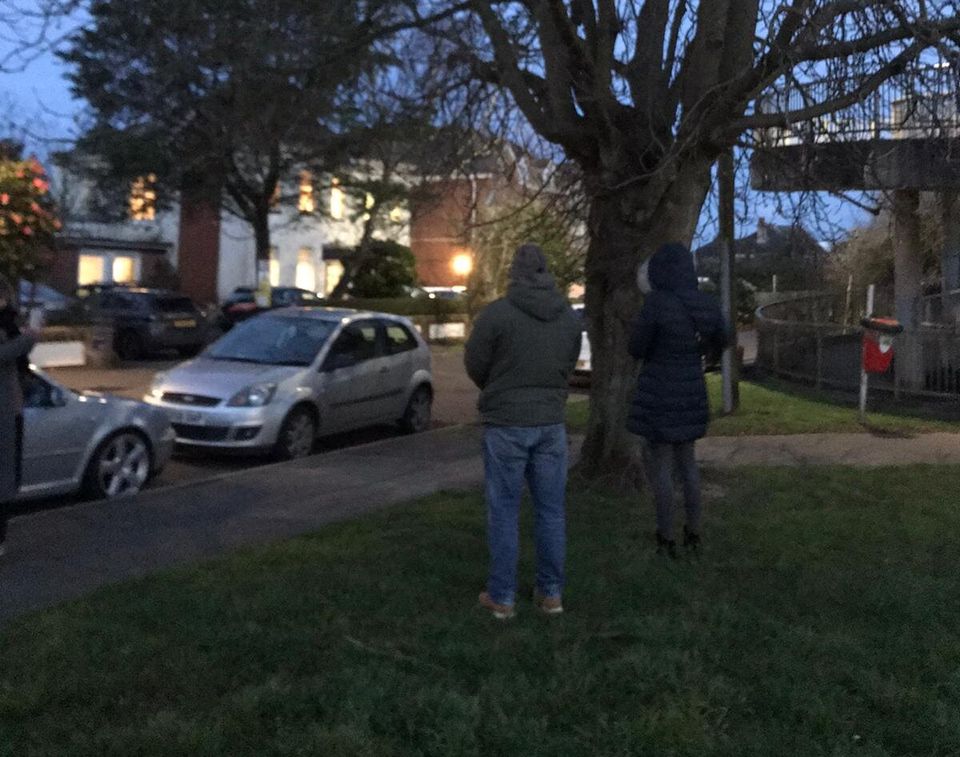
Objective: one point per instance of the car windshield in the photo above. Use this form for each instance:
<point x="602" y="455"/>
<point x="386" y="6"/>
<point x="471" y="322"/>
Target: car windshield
<point x="273" y="341"/>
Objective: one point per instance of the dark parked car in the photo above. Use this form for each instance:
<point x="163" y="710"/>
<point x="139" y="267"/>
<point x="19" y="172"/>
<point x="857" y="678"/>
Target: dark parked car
<point x="242" y="303"/>
<point x="150" y="320"/>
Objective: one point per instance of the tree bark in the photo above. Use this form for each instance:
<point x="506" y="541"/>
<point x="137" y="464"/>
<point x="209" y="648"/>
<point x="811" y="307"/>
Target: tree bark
<point x="360" y="255"/>
<point x="261" y="233"/>
<point x="620" y="241"/>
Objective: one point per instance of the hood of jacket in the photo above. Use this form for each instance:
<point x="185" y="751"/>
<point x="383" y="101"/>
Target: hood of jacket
<point x="671" y="270"/>
<point x="538" y="296"/>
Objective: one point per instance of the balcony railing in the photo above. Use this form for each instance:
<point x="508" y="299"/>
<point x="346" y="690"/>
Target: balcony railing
<point x="921" y="104"/>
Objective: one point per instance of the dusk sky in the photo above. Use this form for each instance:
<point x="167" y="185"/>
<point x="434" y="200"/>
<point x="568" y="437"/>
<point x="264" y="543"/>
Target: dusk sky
<point x="38" y="100"/>
<point x="38" y="97"/>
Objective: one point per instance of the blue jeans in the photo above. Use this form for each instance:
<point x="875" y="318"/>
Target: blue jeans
<point x="537" y="454"/>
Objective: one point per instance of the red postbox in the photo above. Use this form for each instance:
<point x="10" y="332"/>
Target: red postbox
<point x="878" y="334"/>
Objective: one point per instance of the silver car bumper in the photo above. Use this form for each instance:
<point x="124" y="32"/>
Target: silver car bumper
<point x="228" y="428"/>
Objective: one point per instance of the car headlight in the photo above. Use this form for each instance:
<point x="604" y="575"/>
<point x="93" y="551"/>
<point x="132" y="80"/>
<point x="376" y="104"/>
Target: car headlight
<point x="257" y="395"/>
<point x="156" y="386"/>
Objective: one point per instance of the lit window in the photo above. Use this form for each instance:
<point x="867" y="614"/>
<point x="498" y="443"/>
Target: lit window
<point x="334" y="272"/>
<point x="90" y="270"/>
<point x="143" y="198"/>
<point x="306" y="203"/>
<point x="336" y="200"/>
<point x="306" y="276"/>
<point x="368" y="201"/>
<point x="274" y="268"/>
<point x="396" y="215"/>
<point x="124" y="270"/>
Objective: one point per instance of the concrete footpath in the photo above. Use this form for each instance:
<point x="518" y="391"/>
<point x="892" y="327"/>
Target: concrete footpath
<point x="858" y="450"/>
<point x="61" y="554"/>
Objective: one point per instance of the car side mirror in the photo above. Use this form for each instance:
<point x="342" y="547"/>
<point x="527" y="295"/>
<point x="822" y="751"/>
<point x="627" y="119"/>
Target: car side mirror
<point x="58" y="397"/>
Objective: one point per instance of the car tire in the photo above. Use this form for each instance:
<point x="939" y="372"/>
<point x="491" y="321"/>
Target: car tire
<point x="417" y="416"/>
<point x="191" y="351"/>
<point x="297" y="435"/>
<point x="121" y="466"/>
<point x="129" y="345"/>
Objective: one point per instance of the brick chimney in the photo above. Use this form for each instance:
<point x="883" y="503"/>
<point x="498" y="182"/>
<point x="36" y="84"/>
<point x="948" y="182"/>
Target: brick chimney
<point x="198" y="254"/>
<point x="763" y="232"/>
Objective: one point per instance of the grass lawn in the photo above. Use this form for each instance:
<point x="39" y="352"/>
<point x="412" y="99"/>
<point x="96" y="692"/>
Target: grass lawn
<point x="775" y="407"/>
<point x="821" y="620"/>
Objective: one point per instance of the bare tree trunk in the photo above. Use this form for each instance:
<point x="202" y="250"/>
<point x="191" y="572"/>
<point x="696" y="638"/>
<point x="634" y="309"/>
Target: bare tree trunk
<point x="359" y="257"/>
<point x="261" y="234"/>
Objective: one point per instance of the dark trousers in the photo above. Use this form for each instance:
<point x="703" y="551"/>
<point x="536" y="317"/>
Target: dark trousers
<point x="661" y="462"/>
<point x="18" y="472"/>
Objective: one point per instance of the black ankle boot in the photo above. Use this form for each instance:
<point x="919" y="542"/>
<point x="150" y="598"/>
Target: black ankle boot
<point x="668" y="546"/>
<point x="691" y="540"/>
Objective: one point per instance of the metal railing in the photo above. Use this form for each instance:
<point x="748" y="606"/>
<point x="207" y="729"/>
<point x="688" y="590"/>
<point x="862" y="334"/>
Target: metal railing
<point x="923" y="103"/>
<point x="817" y="340"/>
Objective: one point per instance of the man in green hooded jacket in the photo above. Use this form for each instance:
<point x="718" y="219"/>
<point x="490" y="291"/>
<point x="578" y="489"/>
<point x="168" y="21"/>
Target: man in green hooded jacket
<point x="520" y="354"/>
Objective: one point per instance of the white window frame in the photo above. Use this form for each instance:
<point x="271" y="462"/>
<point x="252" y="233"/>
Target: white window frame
<point x="108" y="257"/>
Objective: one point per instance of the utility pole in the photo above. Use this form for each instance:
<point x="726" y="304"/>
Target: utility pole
<point x="728" y="301"/>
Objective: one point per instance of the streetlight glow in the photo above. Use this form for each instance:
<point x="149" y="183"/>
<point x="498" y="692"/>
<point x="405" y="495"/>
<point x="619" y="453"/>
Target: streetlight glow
<point x="462" y="264"/>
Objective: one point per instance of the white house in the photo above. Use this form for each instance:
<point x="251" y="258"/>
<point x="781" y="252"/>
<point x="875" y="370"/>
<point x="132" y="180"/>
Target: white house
<point x="309" y="238"/>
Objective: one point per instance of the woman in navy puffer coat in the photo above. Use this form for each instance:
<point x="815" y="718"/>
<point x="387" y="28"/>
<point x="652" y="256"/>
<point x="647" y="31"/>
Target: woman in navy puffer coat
<point x="676" y="325"/>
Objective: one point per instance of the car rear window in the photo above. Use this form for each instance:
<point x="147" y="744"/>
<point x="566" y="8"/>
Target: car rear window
<point x="399" y="339"/>
<point x="173" y="304"/>
<point x="240" y="295"/>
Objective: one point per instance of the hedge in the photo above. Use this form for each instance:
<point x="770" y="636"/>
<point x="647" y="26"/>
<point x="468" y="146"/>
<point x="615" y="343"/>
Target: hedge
<point x="442" y="309"/>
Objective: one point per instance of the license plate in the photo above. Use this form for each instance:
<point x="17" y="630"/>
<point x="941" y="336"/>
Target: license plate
<point x="186" y="324"/>
<point x="187" y="416"/>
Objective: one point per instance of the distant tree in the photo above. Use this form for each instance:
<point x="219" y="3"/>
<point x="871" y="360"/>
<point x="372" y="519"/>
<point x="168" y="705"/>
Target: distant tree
<point x="501" y="229"/>
<point x="385" y="272"/>
<point x="867" y="254"/>
<point x="226" y="100"/>
<point x="28" y="219"/>
<point x="395" y="147"/>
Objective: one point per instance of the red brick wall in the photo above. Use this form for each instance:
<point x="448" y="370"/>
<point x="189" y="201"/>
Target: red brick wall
<point x="61" y="272"/>
<point x="439" y="229"/>
<point x="198" y="256"/>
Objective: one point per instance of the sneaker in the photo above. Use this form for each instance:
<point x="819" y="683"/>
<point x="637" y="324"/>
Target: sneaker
<point x="547" y="605"/>
<point x="500" y="612"/>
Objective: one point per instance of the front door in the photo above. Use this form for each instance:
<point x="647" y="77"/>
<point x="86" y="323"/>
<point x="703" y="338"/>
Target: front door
<point x="352" y="377"/>
<point x="401" y="348"/>
<point x="56" y="430"/>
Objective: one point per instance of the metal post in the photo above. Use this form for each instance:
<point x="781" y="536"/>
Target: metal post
<point x="864" y="379"/>
<point x="729" y="367"/>
<point x="819" y="358"/>
<point x="848" y="303"/>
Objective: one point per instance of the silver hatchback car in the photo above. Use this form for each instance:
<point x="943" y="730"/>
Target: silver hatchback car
<point x="103" y="446"/>
<point x="276" y="382"/>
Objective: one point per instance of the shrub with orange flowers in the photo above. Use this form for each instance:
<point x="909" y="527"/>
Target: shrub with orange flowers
<point x="28" y="218"/>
